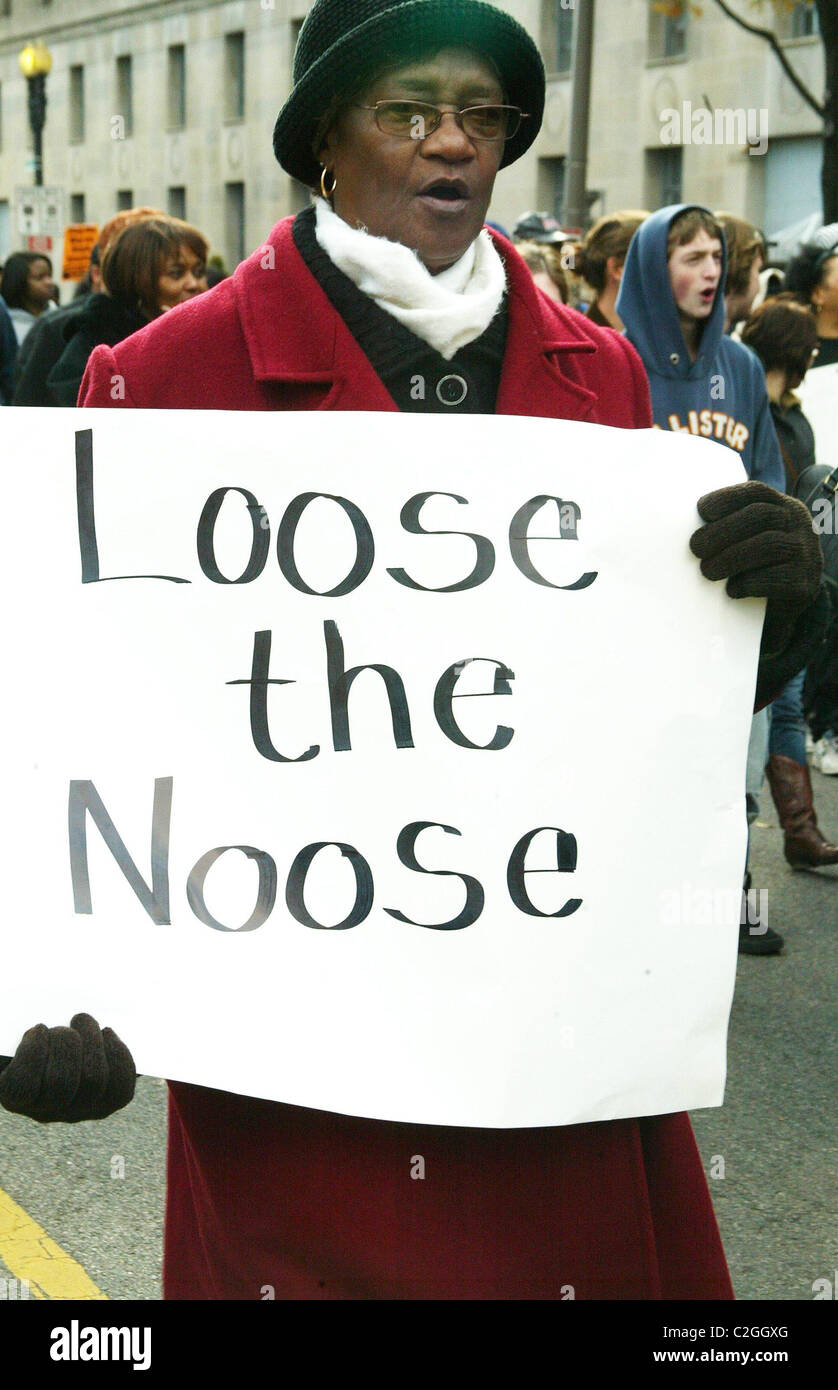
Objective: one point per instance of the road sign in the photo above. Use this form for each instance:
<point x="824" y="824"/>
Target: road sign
<point x="40" y="211"/>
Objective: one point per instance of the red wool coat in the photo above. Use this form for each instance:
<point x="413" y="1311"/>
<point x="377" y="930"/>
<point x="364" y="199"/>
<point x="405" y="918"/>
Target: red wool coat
<point x="324" y="1206"/>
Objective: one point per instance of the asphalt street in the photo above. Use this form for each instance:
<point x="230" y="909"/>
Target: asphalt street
<point x="82" y="1205"/>
<point x="777" y="1204"/>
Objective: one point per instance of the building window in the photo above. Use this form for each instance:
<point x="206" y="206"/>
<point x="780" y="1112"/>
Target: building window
<point x="77" y="208"/>
<point x="803" y="20"/>
<point x="234" y="223"/>
<point x="234" y="77"/>
<point x="125" y="92"/>
<point x="664" y="177"/>
<point x="667" y="34"/>
<point x="551" y="187"/>
<point x="177" y="86"/>
<point x="791" y="181"/>
<point x="76" y="104"/>
<point x="1" y="115"/>
<point x="294" y="30"/>
<point x="177" y="201"/>
<point x="5" y="8"/>
<point x="557" y="35"/>
<point x="124" y="199"/>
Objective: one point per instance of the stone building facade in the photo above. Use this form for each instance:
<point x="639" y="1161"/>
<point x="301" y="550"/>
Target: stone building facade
<point x="172" y="103"/>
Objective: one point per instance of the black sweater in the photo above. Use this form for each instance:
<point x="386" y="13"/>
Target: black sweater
<point x="416" y="375"/>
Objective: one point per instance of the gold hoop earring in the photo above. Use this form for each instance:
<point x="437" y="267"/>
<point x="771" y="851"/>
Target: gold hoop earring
<point x="327" y="193"/>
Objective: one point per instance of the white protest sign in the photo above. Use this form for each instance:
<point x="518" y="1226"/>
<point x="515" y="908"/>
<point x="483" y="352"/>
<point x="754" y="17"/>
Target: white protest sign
<point x="493" y="881"/>
<point x="819" y="398"/>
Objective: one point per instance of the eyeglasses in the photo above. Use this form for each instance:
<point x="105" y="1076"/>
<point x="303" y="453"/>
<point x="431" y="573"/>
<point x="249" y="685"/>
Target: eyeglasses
<point x="415" y="120"/>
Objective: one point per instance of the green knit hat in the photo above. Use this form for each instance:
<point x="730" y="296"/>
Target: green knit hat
<point x="343" y="43"/>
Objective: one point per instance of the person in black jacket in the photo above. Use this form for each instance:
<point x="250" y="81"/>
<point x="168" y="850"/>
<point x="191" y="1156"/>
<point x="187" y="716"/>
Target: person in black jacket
<point x="784" y="335"/>
<point x="47" y="338"/>
<point x="41" y="350"/>
<point x="161" y="264"/>
<point x="8" y="354"/>
<point x="153" y="265"/>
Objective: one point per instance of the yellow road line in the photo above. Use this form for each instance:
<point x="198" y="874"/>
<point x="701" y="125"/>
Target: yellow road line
<point x="29" y="1253"/>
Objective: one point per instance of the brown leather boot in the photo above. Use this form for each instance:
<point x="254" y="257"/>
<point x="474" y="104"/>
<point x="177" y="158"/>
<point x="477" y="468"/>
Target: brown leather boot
<point x="805" y="847"/>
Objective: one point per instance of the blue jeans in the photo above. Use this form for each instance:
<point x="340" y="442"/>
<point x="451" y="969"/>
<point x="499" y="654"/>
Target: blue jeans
<point x="787" y="733"/>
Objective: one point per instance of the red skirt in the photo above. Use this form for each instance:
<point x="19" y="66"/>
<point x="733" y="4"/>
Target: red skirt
<point x="268" y="1200"/>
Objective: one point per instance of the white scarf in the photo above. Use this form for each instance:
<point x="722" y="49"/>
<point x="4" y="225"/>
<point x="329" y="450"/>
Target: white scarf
<point x="447" y="310"/>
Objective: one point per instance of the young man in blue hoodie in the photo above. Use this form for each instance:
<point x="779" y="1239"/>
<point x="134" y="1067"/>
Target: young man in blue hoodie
<point x="672" y="304"/>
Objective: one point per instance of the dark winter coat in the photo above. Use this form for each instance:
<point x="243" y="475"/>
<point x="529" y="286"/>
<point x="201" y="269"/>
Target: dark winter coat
<point x="42" y="347"/>
<point x="100" y="320"/>
<point x="8" y="355"/>
<point x="795" y="437"/>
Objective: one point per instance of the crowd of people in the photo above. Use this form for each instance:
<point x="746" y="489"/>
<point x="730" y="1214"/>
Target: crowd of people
<point x="399" y="126"/>
<point x="788" y="317"/>
<point x="145" y="263"/>
<point x="142" y="264"/>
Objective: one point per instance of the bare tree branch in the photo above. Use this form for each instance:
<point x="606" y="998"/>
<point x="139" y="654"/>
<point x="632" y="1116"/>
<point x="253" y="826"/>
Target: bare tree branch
<point x="771" y="39"/>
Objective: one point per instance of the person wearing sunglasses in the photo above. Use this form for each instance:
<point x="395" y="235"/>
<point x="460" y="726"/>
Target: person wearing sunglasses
<point x="389" y="294"/>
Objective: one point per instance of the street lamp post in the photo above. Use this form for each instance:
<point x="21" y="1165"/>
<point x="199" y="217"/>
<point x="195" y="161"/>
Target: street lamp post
<point x="35" y="64"/>
<point x="576" y="202"/>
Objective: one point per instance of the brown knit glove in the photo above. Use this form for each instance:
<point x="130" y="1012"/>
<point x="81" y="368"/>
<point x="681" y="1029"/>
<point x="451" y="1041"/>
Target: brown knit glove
<point x="763" y="543"/>
<point x="83" y="1072"/>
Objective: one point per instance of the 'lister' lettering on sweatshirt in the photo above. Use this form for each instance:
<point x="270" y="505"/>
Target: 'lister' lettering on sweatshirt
<point x="713" y="424"/>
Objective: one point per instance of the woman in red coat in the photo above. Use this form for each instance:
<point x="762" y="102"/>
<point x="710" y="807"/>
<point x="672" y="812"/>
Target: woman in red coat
<point x="389" y="295"/>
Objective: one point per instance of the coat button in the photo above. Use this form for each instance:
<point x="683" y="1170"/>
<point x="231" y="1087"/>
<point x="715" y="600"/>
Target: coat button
<point x="674" y="359"/>
<point x="452" y="390"/>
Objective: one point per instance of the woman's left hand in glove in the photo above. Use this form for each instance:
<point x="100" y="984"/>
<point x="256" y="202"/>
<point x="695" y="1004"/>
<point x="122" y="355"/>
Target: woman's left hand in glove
<point x="763" y="543"/>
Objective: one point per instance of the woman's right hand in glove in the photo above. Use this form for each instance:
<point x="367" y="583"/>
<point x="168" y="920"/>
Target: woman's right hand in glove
<point x="83" y="1072"/>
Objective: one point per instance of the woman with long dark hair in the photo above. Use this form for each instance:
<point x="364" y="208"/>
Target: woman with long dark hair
<point x="27" y="287"/>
